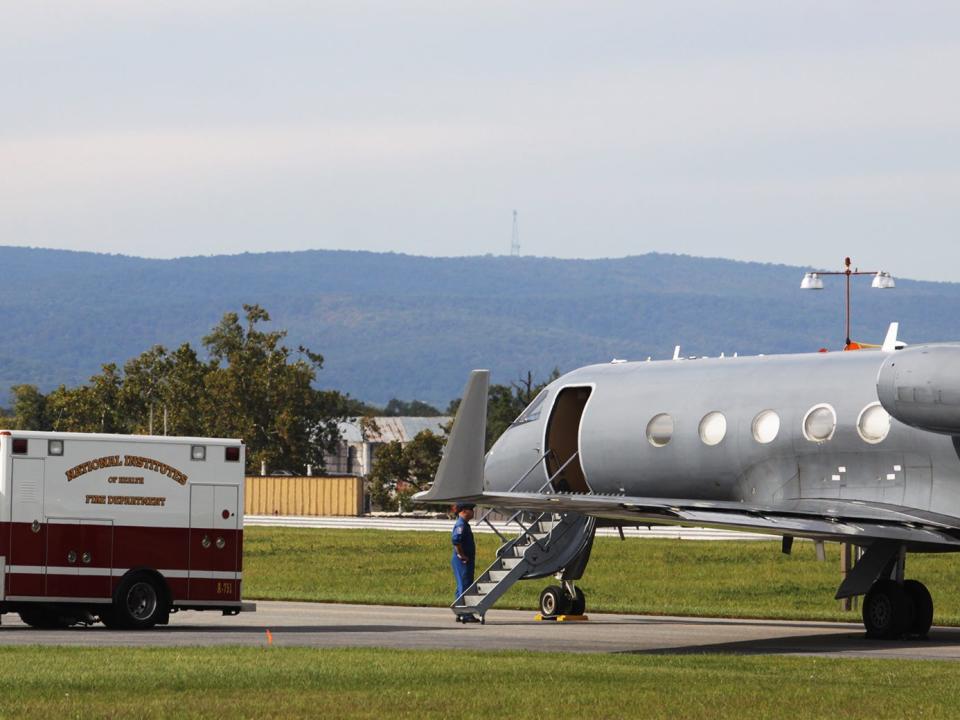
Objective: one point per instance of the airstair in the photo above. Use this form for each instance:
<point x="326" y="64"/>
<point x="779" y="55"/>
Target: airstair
<point x="548" y="544"/>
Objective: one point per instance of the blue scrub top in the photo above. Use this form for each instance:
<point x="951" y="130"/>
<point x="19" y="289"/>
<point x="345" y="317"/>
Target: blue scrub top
<point x="463" y="536"/>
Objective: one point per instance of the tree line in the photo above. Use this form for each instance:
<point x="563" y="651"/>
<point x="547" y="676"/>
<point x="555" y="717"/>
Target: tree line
<point x="250" y="386"/>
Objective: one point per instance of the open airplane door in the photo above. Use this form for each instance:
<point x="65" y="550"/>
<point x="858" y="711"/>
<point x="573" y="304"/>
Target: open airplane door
<point x="562" y="440"/>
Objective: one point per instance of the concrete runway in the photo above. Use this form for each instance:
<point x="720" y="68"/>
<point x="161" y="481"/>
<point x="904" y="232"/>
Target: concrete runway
<point x="321" y="625"/>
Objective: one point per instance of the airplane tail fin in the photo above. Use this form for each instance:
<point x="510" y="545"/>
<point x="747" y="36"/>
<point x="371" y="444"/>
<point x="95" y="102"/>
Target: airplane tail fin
<point x="460" y="475"/>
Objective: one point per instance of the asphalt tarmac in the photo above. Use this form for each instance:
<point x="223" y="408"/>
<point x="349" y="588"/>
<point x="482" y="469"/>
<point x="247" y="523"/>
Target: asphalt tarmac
<point x="326" y="626"/>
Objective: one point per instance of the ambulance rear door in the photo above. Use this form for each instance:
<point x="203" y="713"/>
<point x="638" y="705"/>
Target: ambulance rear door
<point x="214" y="543"/>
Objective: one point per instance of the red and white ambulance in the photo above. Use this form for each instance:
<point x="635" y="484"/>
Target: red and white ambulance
<point x="121" y="528"/>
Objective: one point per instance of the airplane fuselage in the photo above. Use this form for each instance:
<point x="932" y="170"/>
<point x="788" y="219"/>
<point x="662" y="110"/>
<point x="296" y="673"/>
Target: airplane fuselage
<point x="761" y="430"/>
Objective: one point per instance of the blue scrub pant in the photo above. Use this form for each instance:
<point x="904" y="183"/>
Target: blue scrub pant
<point x="463" y="572"/>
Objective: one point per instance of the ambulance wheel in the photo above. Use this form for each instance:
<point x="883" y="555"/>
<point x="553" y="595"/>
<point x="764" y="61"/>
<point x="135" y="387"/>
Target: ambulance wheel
<point x="138" y="605"/>
<point x="922" y="607"/>
<point x="44" y="618"/>
<point x="578" y="603"/>
<point x="553" y="601"/>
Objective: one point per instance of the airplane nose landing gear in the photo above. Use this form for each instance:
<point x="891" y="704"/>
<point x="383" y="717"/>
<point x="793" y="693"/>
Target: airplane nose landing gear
<point x="553" y="601"/>
<point x="565" y="599"/>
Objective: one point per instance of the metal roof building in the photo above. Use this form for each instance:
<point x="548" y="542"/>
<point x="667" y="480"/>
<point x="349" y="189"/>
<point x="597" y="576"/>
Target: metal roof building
<point x="360" y="438"/>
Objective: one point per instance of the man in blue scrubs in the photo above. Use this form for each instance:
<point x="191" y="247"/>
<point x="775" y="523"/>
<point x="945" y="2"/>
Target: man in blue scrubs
<point x="464" y="554"/>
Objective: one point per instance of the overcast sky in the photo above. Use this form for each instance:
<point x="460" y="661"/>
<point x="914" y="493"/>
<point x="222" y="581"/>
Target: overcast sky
<point x="770" y="131"/>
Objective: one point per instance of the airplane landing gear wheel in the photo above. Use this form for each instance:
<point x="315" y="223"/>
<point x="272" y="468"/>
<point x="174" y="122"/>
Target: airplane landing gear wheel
<point x="922" y="607"/>
<point x="888" y="610"/>
<point x="578" y="604"/>
<point x="553" y="601"/>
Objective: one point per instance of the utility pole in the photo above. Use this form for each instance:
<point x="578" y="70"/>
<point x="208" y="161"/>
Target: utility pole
<point x="515" y="238"/>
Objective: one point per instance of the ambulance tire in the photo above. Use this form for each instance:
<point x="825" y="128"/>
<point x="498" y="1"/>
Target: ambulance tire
<point x="139" y="604"/>
<point x="45" y="618"/>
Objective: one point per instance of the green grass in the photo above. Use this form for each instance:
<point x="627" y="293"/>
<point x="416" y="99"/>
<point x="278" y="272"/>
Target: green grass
<point x="371" y="683"/>
<point x="667" y="577"/>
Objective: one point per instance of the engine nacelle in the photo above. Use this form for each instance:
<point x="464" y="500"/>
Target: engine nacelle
<point x="920" y="386"/>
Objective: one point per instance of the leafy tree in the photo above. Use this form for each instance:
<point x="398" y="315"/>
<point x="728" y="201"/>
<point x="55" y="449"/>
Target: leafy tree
<point x="29" y="408"/>
<point x="144" y="394"/>
<point x="400" y="470"/>
<point x="358" y="408"/>
<point x="264" y="396"/>
<point x="253" y="387"/>
<point x="414" y="408"/>
<point x="184" y="394"/>
<point x="94" y="407"/>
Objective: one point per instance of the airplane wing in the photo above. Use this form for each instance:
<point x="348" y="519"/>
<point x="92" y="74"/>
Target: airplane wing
<point x="818" y="519"/>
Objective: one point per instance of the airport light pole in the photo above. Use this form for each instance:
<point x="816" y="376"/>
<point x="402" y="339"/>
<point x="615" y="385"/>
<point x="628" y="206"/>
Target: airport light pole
<point x="882" y="280"/>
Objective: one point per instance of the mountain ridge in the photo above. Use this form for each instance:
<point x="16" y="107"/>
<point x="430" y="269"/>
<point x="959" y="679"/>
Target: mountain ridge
<point x="397" y="325"/>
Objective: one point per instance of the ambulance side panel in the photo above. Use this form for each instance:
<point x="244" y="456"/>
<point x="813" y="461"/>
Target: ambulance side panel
<point x="79" y="521"/>
<point x="28" y="531"/>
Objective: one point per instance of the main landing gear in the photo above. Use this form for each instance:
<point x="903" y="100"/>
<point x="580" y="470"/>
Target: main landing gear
<point x="894" y="610"/>
<point x="563" y="599"/>
<point x="893" y="607"/>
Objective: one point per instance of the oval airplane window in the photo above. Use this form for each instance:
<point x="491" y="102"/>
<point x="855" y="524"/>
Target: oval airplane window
<point x="660" y="430"/>
<point x="766" y="426"/>
<point x="819" y="423"/>
<point x="713" y="428"/>
<point x="873" y="423"/>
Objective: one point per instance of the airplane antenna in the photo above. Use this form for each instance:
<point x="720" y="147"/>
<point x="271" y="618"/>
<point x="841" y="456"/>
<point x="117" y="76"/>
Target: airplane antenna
<point x="515" y="238"/>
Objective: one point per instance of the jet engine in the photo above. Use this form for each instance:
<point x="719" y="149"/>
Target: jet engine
<point x="920" y="386"/>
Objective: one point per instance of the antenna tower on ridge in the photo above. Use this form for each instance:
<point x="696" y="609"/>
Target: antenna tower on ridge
<point x="515" y="238"/>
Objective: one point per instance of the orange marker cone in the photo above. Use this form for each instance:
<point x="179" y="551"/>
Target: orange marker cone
<point x="269" y="637"/>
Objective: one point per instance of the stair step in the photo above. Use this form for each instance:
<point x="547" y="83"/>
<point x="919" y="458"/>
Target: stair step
<point x="510" y="563"/>
<point x="471" y="600"/>
<point x="498" y="575"/>
<point x="485" y="587"/>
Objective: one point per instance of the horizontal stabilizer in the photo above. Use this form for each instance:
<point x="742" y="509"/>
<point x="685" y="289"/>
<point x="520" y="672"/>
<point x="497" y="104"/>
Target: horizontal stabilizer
<point x="460" y="475"/>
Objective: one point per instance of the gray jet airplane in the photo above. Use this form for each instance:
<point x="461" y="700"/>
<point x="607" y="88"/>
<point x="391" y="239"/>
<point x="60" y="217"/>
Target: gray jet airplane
<point x="857" y="447"/>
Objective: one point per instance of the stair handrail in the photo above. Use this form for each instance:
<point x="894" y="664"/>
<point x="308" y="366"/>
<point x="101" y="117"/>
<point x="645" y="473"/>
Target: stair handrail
<point x="547" y="484"/>
<point x="484" y="518"/>
<point x="526" y="530"/>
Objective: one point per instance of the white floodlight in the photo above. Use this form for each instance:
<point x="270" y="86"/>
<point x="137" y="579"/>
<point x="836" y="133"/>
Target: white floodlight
<point x="811" y="281"/>
<point x="883" y="281"/>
